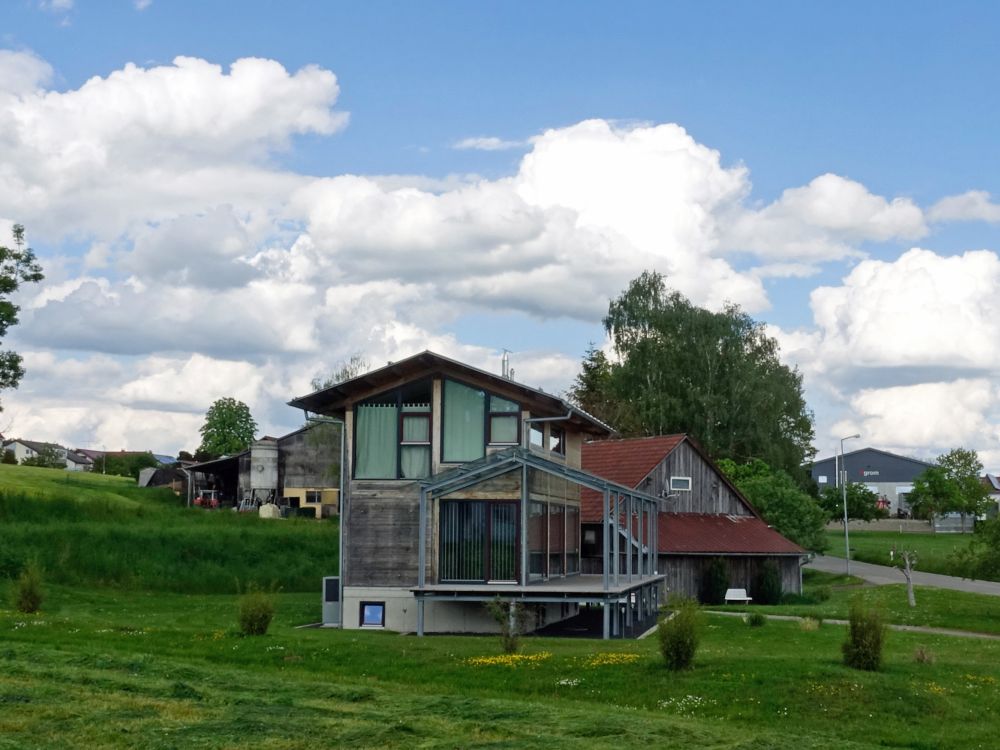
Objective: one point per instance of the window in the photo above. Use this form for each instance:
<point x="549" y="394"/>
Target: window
<point x="473" y="419"/>
<point x="393" y="434"/>
<point x="536" y="437"/>
<point x="680" y="484"/>
<point x="463" y="423"/>
<point x="415" y="441"/>
<point x="504" y="418"/>
<point x="537" y="536"/>
<point x="479" y="540"/>
<point x="557" y="539"/>
<point x="314" y="496"/>
<point x="372" y="615"/>
<point x="557" y="440"/>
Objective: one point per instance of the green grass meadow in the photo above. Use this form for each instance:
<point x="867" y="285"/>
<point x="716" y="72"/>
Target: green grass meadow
<point x="119" y="657"/>
<point x="933" y="550"/>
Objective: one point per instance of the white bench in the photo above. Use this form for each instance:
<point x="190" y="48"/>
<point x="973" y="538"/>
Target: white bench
<point x="738" y="595"/>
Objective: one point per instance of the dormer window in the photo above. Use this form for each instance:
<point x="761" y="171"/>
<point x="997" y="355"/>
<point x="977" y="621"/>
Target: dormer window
<point x="557" y="440"/>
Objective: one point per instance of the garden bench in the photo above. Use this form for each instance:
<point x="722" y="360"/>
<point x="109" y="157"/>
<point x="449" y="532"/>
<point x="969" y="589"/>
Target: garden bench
<point x="738" y="595"/>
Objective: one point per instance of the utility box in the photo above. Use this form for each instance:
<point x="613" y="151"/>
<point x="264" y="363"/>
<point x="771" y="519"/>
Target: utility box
<point x="331" y="601"/>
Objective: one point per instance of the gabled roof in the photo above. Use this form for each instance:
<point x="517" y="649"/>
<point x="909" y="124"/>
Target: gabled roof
<point x="708" y="533"/>
<point x="625" y="462"/>
<point x="35" y="445"/>
<point x="334" y="399"/>
<point x="78" y="458"/>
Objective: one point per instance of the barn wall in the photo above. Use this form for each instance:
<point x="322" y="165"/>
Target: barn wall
<point x="684" y="572"/>
<point x="381" y="532"/>
<point x="310" y="458"/>
<point x="709" y="493"/>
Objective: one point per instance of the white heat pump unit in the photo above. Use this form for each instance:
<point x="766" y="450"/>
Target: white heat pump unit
<point x="331" y="601"/>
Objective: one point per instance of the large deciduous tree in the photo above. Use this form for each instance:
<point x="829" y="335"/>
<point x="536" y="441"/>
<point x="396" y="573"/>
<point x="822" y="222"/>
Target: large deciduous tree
<point x="862" y="503"/>
<point x="17" y="266"/>
<point x="952" y="485"/>
<point x="229" y="428"/>
<point x="777" y="497"/>
<point x="682" y="368"/>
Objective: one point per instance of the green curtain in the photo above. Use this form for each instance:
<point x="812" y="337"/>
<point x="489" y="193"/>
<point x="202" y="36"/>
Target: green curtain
<point x="376" y="441"/>
<point x="503" y="429"/>
<point x="463" y="424"/>
<point x="416" y="429"/>
<point x="416" y="461"/>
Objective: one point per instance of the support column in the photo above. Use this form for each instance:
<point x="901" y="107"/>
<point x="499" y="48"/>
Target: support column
<point x="607" y="620"/>
<point x="618" y="533"/>
<point x="605" y="549"/>
<point x="524" y="524"/>
<point x="422" y="537"/>
<point x="420" y="616"/>
<point x="630" y="538"/>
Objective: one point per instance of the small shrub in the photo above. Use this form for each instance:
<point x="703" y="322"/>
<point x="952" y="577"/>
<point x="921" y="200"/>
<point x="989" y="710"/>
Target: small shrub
<point x="9" y="458"/>
<point x="714" y="581"/>
<point x="756" y="620"/>
<point x="767" y="585"/>
<point x="809" y="624"/>
<point x="923" y="655"/>
<point x="256" y="610"/>
<point x="679" y="634"/>
<point x="512" y="617"/>
<point x="865" y="638"/>
<point x="28" y="588"/>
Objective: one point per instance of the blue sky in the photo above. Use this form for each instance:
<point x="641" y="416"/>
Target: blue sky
<point x="896" y="101"/>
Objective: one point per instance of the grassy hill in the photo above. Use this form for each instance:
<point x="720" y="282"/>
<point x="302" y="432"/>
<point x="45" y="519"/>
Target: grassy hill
<point x="88" y="529"/>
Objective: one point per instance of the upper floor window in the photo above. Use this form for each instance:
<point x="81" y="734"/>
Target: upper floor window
<point x="392" y="438"/>
<point x="473" y="419"/>
<point x="557" y="440"/>
<point x="536" y="437"/>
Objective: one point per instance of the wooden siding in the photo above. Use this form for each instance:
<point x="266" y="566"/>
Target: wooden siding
<point x="684" y="572"/>
<point x="504" y="487"/>
<point x="709" y="493"/>
<point x="381" y="533"/>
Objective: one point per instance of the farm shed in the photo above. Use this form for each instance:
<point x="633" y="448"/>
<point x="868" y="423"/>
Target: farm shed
<point x="706" y="517"/>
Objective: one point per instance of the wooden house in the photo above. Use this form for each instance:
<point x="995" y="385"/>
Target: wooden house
<point x="460" y="486"/>
<point x="704" y="516"/>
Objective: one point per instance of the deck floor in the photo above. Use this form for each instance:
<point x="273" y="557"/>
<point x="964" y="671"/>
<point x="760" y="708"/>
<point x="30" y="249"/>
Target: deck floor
<point x="571" y="586"/>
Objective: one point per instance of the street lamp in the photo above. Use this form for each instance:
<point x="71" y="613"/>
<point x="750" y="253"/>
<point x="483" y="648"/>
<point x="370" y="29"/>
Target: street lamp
<point x="843" y="484"/>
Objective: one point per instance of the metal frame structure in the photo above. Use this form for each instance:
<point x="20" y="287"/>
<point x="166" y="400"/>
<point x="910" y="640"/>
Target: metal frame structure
<point x="630" y="587"/>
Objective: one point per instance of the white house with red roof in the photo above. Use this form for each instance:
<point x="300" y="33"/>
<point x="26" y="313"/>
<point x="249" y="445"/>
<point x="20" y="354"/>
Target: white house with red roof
<point x="704" y="515"/>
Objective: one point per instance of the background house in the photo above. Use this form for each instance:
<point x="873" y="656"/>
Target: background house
<point x="706" y="516"/>
<point x="23" y="449"/>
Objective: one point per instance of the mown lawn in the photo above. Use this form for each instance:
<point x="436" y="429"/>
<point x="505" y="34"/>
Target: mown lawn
<point x="128" y="669"/>
<point x="92" y="530"/>
<point x="933" y="550"/>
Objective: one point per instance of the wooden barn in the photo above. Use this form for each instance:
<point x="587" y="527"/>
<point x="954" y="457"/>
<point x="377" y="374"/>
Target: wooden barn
<point x="704" y="515"/>
<point x="461" y="486"/>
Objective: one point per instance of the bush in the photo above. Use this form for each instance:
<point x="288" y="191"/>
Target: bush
<point x="9" y="458"/>
<point x="256" y="609"/>
<point x="512" y="617"/>
<point x="28" y="588"/>
<point x="865" y="638"/>
<point x="756" y="620"/>
<point x="679" y="634"/>
<point x="714" y="581"/>
<point x="810" y="624"/>
<point x="767" y="585"/>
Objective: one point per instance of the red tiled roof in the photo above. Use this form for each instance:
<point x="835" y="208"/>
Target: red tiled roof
<point x="626" y="462"/>
<point x="694" y="533"/>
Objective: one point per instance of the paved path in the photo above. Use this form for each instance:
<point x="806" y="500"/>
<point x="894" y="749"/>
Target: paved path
<point x="902" y="628"/>
<point x="881" y="575"/>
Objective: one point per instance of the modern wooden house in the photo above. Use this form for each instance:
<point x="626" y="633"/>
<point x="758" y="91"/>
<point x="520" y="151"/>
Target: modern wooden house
<point x="705" y="515"/>
<point x="460" y="486"/>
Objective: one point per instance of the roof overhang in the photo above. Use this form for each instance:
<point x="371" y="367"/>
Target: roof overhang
<point x="334" y="400"/>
